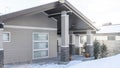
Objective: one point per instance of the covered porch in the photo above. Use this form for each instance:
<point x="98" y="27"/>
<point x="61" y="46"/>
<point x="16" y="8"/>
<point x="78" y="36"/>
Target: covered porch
<point x="71" y="23"/>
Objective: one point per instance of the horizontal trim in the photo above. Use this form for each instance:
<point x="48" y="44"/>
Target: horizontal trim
<point x="28" y="27"/>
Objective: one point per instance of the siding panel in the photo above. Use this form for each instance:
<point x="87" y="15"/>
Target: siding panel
<point x="20" y="47"/>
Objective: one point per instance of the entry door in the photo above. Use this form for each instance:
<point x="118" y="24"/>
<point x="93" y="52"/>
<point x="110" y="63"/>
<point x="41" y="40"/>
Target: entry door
<point x="40" y="45"/>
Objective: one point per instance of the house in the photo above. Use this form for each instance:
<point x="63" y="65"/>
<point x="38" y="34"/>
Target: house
<point x="32" y="33"/>
<point x="110" y="36"/>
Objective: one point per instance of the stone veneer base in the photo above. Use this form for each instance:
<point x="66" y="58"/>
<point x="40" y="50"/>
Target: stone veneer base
<point x="64" y="54"/>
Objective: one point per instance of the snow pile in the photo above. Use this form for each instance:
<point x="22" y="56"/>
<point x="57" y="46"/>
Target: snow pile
<point x="110" y="62"/>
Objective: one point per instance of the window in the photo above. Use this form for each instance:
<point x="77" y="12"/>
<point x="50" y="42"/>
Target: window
<point x="100" y="37"/>
<point x="117" y="37"/>
<point x="6" y="36"/>
<point x="111" y="37"/>
<point x="40" y="45"/>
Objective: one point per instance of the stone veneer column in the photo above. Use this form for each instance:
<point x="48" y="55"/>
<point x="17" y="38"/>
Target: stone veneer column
<point x="1" y="49"/>
<point x="90" y="48"/>
<point x="72" y="44"/>
<point x="64" y="36"/>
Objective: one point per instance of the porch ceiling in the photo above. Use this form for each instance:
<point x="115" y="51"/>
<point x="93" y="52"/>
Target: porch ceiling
<point x="77" y="24"/>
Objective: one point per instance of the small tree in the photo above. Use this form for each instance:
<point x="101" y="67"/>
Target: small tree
<point x="103" y="50"/>
<point x="96" y="45"/>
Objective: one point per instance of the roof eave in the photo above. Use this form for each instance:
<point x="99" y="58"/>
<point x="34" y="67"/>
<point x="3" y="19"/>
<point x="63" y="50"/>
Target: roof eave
<point x="79" y="14"/>
<point x="40" y="8"/>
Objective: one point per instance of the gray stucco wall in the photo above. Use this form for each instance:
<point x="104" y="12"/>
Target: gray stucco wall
<point x="20" y="47"/>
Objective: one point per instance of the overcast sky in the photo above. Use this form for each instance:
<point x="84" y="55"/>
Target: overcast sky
<point x="99" y="11"/>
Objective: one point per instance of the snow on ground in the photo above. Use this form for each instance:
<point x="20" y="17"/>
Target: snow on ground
<point x="110" y="62"/>
<point x="52" y="65"/>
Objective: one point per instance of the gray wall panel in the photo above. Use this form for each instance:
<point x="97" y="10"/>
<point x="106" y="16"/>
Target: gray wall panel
<point x="20" y="47"/>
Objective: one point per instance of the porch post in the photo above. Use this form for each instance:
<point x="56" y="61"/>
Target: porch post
<point x="78" y="44"/>
<point x="89" y="48"/>
<point x="72" y="44"/>
<point x="64" y="36"/>
<point x="1" y="46"/>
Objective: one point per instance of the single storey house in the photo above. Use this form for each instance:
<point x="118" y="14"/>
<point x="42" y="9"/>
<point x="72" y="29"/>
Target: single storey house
<point x="110" y="36"/>
<point x="32" y="33"/>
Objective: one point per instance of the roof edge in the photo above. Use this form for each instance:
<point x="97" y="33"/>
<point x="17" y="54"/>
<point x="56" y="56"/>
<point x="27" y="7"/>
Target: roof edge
<point x="79" y="14"/>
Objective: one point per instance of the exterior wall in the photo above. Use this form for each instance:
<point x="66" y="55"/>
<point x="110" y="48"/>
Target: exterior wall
<point x="113" y="46"/>
<point x="20" y="47"/>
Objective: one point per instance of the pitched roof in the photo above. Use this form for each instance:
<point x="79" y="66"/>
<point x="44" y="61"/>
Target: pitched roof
<point x="49" y="6"/>
<point x="109" y="29"/>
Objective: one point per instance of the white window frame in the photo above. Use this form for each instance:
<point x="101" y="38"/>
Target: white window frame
<point x="9" y="40"/>
<point x="39" y="41"/>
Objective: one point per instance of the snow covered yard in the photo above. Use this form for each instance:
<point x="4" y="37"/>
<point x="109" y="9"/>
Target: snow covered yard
<point x="52" y="65"/>
<point x="110" y="62"/>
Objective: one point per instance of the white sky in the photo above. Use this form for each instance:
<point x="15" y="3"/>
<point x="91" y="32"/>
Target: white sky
<point x="99" y="11"/>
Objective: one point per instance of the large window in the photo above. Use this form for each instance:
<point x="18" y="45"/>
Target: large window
<point x="6" y="36"/>
<point x="40" y="45"/>
<point x="100" y="37"/>
<point x="111" y="37"/>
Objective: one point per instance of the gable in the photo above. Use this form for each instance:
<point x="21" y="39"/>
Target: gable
<point x="35" y="20"/>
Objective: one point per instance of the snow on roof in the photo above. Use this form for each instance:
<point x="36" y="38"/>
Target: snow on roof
<point x="109" y="29"/>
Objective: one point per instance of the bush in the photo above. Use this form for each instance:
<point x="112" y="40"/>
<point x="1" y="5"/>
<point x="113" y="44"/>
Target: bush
<point x="103" y="50"/>
<point x="96" y="45"/>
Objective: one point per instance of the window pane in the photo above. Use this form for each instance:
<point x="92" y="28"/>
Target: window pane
<point x="39" y="37"/>
<point x="100" y="37"/>
<point x="5" y="36"/>
<point x="111" y="37"/>
<point x="42" y="53"/>
<point x="40" y="45"/>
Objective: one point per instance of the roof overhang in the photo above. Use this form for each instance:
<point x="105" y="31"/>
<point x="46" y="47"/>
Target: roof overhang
<point x="78" y="22"/>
